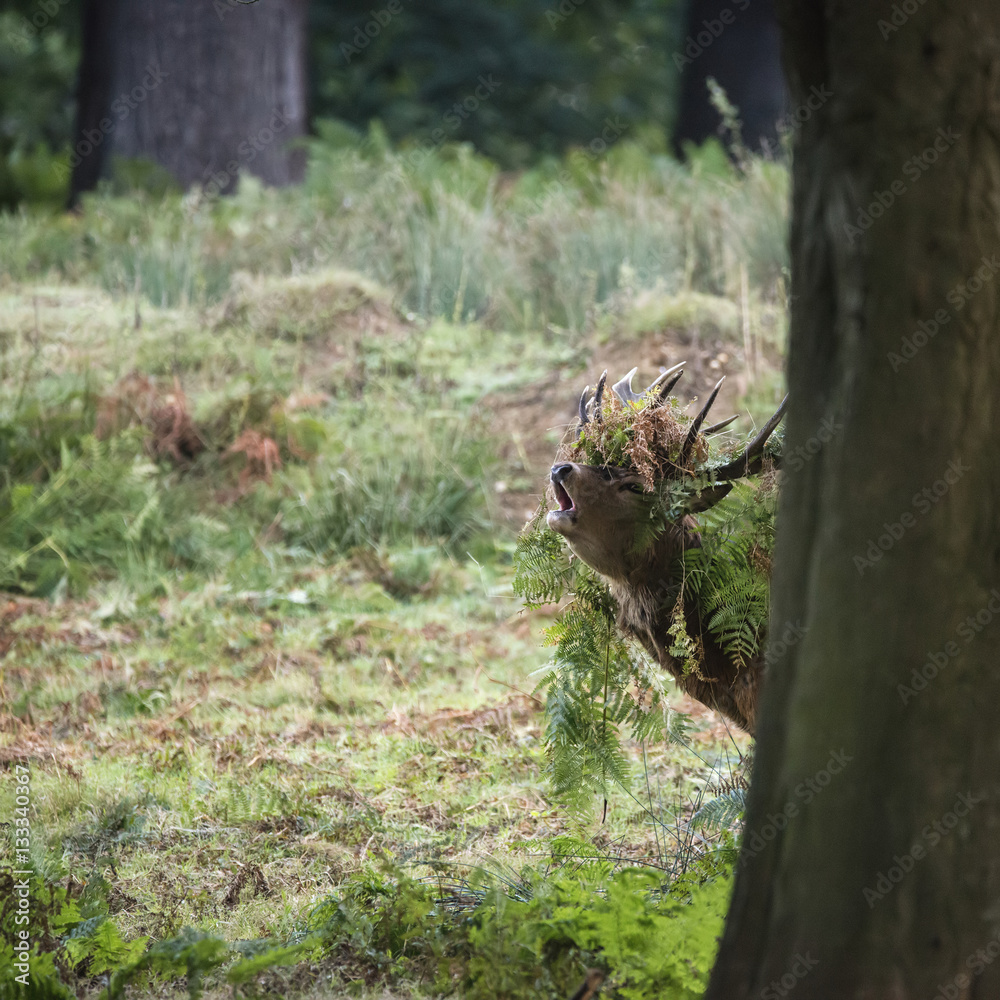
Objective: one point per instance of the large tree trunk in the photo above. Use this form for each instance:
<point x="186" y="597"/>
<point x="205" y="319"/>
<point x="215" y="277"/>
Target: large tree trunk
<point x="871" y="859"/>
<point x="737" y="43"/>
<point x="204" y="88"/>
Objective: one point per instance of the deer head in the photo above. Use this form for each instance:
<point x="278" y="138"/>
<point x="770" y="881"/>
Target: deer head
<point x="612" y="515"/>
<point x="601" y="512"/>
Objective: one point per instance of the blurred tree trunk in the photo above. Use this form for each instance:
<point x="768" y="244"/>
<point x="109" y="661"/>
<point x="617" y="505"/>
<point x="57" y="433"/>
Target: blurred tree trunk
<point x="738" y="43"/>
<point x="203" y="88"/>
<point x="870" y="865"/>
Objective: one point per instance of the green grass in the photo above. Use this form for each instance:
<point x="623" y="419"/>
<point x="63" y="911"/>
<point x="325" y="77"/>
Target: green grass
<point x="323" y="731"/>
<point x="262" y="463"/>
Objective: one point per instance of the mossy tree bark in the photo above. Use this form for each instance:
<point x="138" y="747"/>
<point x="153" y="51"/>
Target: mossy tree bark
<point x="871" y="860"/>
<point x="206" y="89"/>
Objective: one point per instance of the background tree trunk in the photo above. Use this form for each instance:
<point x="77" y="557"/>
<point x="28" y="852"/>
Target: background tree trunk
<point x="871" y="860"/>
<point x="94" y="79"/>
<point x="204" y="88"/>
<point x="738" y="43"/>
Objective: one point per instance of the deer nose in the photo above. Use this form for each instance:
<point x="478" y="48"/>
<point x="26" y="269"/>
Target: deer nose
<point x="560" y="472"/>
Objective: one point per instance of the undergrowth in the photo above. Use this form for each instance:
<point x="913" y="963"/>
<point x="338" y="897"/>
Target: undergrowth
<point x="478" y="939"/>
<point x="443" y="229"/>
<point x="77" y="508"/>
<point x="260" y="460"/>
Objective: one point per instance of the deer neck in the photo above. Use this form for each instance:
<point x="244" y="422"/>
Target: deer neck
<point x="654" y="573"/>
<point x="648" y="591"/>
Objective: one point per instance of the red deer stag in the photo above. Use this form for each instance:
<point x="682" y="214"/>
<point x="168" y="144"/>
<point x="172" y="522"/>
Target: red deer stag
<point x="605" y="512"/>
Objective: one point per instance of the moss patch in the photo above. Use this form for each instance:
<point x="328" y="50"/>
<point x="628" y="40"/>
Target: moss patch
<point x="304" y="305"/>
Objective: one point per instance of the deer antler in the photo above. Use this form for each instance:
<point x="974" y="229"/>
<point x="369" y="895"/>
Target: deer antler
<point x="624" y="391"/>
<point x="747" y="464"/>
<point x="721" y="425"/>
<point x="740" y="466"/>
<point x="692" y="434"/>
<point x="623" y="388"/>
<point x="670" y="383"/>
<point x="596" y="402"/>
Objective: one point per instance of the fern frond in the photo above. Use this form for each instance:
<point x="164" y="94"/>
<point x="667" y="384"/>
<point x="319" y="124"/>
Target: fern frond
<point x="541" y="563"/>
<point x="728" y="575"/>
<point x="722" y="812"/>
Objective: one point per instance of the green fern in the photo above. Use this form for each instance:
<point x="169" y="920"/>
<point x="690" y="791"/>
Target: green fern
<point x="727" y="577"/>
<point x="541" y="563"/>
<point x="589" y="691"/>
<point x="722" y="812"/>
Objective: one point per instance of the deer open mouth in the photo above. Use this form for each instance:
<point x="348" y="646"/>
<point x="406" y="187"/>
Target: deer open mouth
<point x="563" y="498"/>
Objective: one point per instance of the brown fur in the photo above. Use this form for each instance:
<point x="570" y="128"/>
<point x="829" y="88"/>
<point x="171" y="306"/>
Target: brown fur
<point x="603" y="528"/>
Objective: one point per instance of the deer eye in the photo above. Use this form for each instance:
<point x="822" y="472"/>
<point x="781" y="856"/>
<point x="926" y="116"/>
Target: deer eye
<point x="606" y="474"/>
<point x="632" y="487"/>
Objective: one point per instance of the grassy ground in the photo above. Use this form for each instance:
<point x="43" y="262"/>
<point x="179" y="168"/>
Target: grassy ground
<point x="263" y="466"/>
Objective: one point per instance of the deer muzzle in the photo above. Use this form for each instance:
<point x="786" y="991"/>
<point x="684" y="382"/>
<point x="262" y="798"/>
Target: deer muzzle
<point x="567" y="508"/>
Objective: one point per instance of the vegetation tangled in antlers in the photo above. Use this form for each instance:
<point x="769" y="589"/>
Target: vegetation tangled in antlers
<point x="649" y="434"/>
